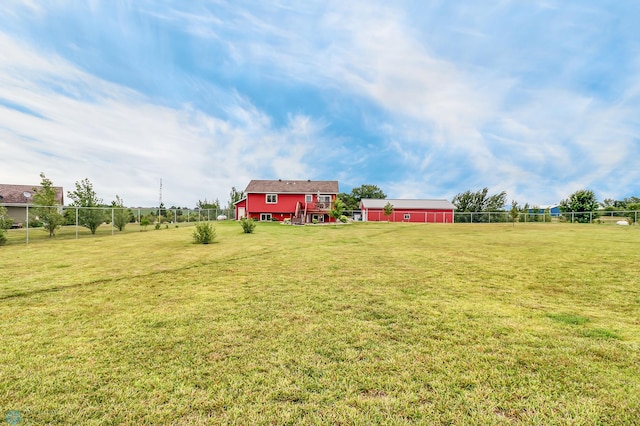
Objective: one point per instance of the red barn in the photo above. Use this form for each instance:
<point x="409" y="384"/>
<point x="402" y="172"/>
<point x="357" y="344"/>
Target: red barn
<point x="432" y="211"/>
<point x="301" y="201"/>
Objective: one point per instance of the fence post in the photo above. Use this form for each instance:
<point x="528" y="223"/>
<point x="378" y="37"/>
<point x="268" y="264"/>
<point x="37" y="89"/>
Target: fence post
<point x="112" y="217"/>
<point x="27" y="221"/>
<point x="77" y="222"/>
<point x="139" y="224"/>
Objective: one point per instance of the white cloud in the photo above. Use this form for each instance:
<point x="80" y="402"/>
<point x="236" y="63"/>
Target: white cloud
<point x="463" y="96"/>
<point x="125" y="144"/>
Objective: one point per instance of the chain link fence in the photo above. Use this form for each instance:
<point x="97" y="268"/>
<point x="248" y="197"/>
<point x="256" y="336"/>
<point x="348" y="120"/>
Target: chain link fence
<point x="111" y="220"/>
<point x="598" y="216"/>
<point x="77" y="221"/>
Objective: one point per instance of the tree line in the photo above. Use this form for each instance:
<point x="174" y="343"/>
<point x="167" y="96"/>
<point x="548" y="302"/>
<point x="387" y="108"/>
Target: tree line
<point x="91" y="210"/>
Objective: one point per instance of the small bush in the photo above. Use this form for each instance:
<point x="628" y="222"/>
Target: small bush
<point x="314" y="221"/>
<point x="248" y="225"/>
<point x="144" y="222"/>
<point x="3" y="237"/>
<point x="204" y="233"/>
<point x="158" y="225"/>
<point x="343" y="219"/>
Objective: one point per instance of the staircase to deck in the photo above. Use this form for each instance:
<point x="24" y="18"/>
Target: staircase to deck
<point x="298" y="217"/>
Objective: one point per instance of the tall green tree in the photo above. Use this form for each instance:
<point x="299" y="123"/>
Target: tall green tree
<point x="479" y="201"/>
<point x="47" y="208"/>
<point x="235" y="196"/>
<point x="5" y="223"/>
<point x="121" y="215"/>
<point x="349" y="202"/>
<point x="514" y="213"/>
<point x="388" y="210"/>
<point x="208" y="205"/>
<point x="367" y="191"/>
<point x="90" y="213"/>
<point x="352" y="200"/>
<point x="337" y="209"/>
<point x="583" y="203"/>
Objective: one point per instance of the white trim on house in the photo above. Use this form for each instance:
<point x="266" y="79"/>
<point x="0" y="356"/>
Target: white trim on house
<point x="271" y="198"/>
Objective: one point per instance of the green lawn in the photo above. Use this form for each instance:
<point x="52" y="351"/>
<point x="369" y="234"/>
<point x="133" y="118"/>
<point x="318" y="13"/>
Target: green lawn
<point x="358" y="324"/>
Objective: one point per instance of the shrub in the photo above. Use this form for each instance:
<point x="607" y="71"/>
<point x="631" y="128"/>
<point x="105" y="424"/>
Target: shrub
<point x="314" y="221"/>
<point x="144" y="222"/>
<point x="204" y="233"/>
<point x="158" y="225"/>
<point x="248" y="225"/>
<point x="343" y="219"/>
<point x="3" y="237"/>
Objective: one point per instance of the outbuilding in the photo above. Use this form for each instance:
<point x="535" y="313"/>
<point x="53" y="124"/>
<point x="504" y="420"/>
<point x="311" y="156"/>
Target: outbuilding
<point x="18" y="198"/>
<point x="403" y="210"/>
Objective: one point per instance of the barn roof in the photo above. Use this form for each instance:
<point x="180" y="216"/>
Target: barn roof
<point x="16" y="194"/>
<point x="293" y="186"/>
<point x="423" y="204"/>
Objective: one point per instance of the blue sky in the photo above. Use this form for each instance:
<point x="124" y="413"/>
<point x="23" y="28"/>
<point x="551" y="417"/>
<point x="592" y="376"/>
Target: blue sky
<point x="423" y="98"/>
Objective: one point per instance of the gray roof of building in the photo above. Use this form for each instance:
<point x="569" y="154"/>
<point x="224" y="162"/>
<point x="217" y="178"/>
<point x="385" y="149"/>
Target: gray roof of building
<point x="371" y="203"/>
<point x="15" y="194"/>
<point x="293" y="186"/>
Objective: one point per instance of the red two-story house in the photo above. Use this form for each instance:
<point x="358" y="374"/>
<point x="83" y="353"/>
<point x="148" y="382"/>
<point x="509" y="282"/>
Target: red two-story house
<point x="301" y="201"/>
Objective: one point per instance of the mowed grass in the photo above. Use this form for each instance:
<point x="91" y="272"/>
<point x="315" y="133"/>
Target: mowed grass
<point x="357" y="324"/>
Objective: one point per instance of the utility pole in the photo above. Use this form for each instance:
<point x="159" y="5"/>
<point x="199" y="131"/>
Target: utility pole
<point x="160" y="201"/>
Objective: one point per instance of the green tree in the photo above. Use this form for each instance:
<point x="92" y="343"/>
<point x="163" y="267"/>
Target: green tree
<point x="90" y="215"/>
<point x="479" y="201"/>
<point x="235" y="196"/>
<point x="46" y="205"/>
<point x="388" y="210"/>
<point x="514" y="213"/>
<point x="337" y="209"/>
<point x="162" y="212"/>
<point x="350" y="203"/>
<point x="366" y="191"/>
<point x="583" y="203"/>
<point x="632" y="214"/>
<point x="207" y="205"/>
<point x="5" y="223"/>
<point x="121" y="215"/>
<point x="5" y="220"/>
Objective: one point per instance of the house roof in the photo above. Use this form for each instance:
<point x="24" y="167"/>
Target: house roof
<point x="16" y="194"/>
<point x="371" y="203"/>
<point x="293" y="186"/>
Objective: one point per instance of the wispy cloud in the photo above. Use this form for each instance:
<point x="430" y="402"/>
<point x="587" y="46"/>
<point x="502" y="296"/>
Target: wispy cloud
<point x="125" y="144"/>
<point x="425" y="99"/>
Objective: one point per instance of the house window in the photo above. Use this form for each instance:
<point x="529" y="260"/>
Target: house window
<point x="308" y="198"/>
<point x="265" y="217"/>
<point x="272" y="198"/>
<point x="318" y="217"/>
<point x="407" y="216"/>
